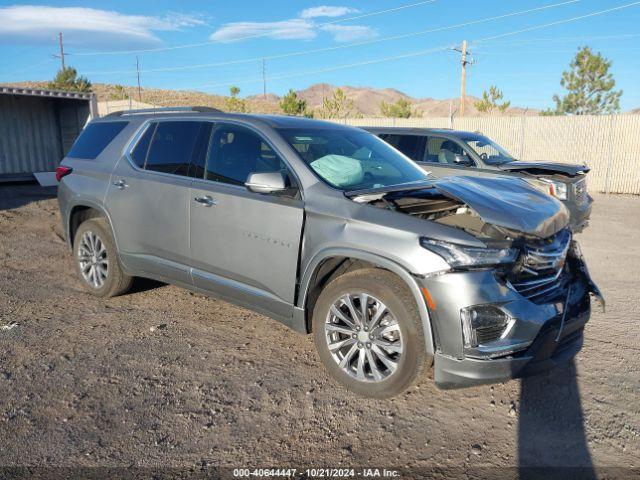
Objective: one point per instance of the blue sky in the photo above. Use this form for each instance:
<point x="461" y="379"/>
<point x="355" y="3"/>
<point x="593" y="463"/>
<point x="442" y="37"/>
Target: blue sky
<point x="527" y="65"/>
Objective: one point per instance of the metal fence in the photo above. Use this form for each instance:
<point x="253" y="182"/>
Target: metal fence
<point x="608" y="144"/>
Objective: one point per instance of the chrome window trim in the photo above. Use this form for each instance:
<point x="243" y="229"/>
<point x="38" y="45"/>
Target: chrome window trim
<point x="131" y="145"/>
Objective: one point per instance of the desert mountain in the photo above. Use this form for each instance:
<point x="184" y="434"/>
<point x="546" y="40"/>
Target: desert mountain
<point x="366" y="99"/>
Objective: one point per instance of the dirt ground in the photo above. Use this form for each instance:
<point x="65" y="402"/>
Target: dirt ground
<point x="165" y="378"/>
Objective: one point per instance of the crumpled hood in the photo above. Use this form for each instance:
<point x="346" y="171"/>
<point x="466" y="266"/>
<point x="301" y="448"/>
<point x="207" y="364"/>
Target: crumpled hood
<point x="564" y="168"/>
<point x="508" y="202"/>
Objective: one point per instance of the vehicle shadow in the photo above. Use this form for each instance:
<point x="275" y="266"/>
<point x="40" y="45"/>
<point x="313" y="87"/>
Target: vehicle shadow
<point x="552" y="441"/>
<point x="15" y="195"/>
<point x="141" y="284"/>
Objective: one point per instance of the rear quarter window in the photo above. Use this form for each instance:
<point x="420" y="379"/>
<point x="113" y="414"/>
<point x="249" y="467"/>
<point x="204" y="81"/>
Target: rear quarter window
<point x="94" y="139"/>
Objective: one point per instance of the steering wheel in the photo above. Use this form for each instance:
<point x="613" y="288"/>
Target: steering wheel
<point x="484" y="156"/>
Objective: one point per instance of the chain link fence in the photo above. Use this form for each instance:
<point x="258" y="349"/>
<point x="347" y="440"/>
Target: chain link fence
<point x="608" y="144"/>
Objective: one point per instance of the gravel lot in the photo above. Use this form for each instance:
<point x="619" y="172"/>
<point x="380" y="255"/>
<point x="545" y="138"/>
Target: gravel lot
<point x="165" y="378"/>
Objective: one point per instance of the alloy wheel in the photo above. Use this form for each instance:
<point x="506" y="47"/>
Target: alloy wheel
<point x="92" y="258"/>
<point x="364" y="337"/>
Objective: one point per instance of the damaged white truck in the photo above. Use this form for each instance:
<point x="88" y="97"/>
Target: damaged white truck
<point x="333" y="232"/>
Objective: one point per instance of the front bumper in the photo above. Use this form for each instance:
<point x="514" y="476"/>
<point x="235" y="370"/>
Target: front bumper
<point x="553" y="332"/>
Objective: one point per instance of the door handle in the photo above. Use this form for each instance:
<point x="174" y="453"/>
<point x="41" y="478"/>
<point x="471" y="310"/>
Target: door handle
<point x="206" y="200"/>
<point x="121" y="184"/>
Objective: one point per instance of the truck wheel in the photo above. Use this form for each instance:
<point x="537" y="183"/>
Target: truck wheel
<point x="368" y="333"/>
<point x="97" y="260"/>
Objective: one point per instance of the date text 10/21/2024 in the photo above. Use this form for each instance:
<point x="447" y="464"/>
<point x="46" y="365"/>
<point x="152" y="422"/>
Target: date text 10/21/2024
<point x="317" y="472"/>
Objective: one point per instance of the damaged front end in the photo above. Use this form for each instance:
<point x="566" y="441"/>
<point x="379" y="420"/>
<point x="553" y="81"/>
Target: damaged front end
<point x="514" y="307"/>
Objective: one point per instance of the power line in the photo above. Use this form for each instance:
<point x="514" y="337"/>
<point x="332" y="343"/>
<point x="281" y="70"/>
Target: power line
<point x="331" y="69"/>
<point x="564" y="39"/>
<point x="558" y="22"/>
<point x="424" y="52"/>
<point x="338" y="47"/>
<point x="257" y="35"/>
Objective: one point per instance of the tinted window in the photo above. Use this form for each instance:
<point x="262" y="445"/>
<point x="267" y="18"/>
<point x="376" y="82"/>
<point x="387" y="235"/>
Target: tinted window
<point x="235" y="152"/>
<point x="172" y="146"/>
<point x="410" y="145"/>
<point x="139" y="154"/>
<point x="351" y="159"/>
<point x="94" y="139"/>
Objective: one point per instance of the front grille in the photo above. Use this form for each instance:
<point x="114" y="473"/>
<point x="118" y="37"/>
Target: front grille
<point x="580" y="191"/>
<point x="540" y="270"/>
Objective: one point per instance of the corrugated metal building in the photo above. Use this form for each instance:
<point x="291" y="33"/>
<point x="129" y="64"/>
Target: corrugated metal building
<point x="38" y="127"/>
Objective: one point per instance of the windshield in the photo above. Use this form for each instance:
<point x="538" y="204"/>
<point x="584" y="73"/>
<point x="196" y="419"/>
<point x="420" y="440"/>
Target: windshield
<point x="352" y="160"/>
<point x="487" y="149"/>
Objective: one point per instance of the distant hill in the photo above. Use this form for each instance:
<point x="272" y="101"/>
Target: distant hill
<point x="366" y="99"/>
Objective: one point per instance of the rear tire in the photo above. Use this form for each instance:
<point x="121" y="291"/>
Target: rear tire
<point x="375" y="355"/>
<point x="96" y="260"/>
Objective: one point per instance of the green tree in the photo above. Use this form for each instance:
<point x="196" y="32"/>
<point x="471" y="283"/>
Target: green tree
<point x="233" y="103"/>
<point x="69" y="81"/>
<point x="589" y="85"/>
<point x="119" y="93"/>
<point x="399" y="109"/>
<point x="292" y="105"/>
<point x="490" y="101"/>
<point x="337" y="106"/>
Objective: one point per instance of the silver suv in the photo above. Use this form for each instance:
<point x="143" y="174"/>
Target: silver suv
<point x="333" y="232"/>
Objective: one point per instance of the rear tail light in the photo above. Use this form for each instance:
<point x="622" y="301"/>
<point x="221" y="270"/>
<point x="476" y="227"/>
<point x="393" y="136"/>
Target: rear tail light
<point x="62" y="172"/>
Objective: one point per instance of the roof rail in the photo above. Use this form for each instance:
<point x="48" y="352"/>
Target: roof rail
<point x="142" y="111"/>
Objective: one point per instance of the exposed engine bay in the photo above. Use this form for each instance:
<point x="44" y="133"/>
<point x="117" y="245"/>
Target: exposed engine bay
<point x="499" y="208"/>
<point x="434" y="206"/>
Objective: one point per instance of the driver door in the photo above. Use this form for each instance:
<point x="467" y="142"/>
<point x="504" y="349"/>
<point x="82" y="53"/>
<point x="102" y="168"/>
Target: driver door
<point x="244" y="245"/>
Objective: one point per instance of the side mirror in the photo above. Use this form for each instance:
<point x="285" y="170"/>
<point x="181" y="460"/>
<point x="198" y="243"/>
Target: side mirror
<point x="266" y="182"/>
<point x="462" y="160"/>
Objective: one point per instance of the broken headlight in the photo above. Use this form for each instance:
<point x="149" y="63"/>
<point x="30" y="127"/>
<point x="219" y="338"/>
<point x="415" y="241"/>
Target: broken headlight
<point x="552" y="187"/>
<point x="465" y="256"/>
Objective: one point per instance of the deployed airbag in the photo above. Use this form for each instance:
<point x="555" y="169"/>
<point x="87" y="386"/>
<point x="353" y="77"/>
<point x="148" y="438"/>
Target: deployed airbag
<point x="339" y="170"/>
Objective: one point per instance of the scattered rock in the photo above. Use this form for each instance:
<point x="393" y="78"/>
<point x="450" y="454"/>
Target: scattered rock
<point x="512" y="410"/>
<point x="162" y="326"/>
<point x="476" y="449"/>
<point x="9" y="326"/>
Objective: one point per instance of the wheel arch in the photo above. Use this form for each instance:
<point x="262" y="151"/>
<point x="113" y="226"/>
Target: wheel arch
<point x="333" y="262"/>
<point x="81" y="211"/>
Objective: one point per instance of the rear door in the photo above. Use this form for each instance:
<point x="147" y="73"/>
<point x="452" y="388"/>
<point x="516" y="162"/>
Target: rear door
<point x="149" y="200"/>
<point x="244" y="245"/>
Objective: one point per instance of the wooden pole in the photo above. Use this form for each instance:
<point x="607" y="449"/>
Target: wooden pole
<point x="138" y="72"/>
<point x="463" y="79"/>
<point x="61" y="50"/>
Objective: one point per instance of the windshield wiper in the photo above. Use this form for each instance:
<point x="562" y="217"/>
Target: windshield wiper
<point x="399" y="187"/>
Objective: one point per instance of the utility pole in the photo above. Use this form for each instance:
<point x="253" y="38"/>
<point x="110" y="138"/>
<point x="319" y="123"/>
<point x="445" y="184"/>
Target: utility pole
<point x="62" y="54"/>
<point x="264" y="80"/>
<point x="138" y="73"/>
<point x="463" y="79"/>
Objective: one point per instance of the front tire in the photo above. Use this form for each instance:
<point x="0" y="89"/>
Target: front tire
<point x="368" y="333"/>
<point x="96" y="260"/>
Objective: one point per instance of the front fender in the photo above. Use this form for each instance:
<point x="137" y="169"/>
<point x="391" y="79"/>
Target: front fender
<point x="382" y="262"/>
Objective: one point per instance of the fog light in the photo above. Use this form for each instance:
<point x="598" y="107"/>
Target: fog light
<point x="482" y="324"/>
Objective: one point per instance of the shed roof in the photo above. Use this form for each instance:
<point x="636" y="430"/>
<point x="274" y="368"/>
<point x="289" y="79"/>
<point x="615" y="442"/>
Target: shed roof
<point x="40" y="92"/>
